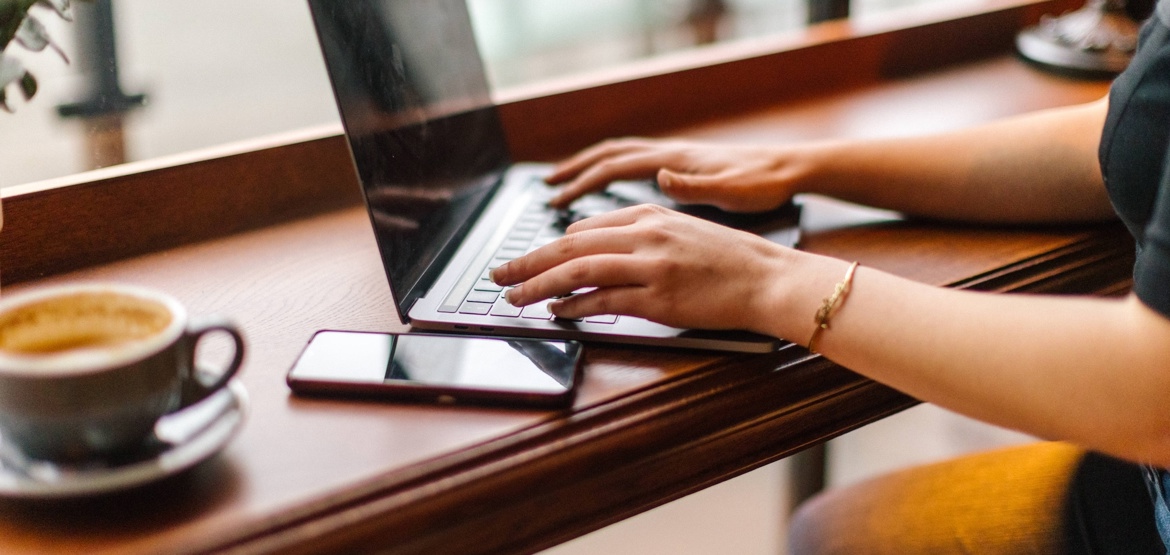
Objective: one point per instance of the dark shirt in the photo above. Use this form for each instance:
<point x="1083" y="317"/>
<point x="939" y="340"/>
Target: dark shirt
<point x="1134" y="148"/>
<point x="1133" y="158"/>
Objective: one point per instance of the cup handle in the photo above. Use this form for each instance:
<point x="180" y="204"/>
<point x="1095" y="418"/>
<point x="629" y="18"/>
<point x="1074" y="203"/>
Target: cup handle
<point x="195" y="385"/>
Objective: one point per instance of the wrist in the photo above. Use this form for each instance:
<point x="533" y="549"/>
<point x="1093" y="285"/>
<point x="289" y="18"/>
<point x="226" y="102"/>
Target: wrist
<point x="809" y="167"/>
<point x="829" y="307"/>
<point x="796" y="294"/>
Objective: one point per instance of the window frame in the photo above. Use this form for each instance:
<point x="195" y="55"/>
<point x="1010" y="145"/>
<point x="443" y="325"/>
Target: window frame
<point x="97" y="217"/>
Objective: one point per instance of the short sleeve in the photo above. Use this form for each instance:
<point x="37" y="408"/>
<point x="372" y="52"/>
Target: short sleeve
<point x="1151" y="276"/>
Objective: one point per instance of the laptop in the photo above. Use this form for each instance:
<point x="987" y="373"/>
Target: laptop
<point x="445" y="199"/>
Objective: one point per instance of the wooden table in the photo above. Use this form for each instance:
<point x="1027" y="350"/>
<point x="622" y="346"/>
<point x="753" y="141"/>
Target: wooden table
<point x="649" y="425"/>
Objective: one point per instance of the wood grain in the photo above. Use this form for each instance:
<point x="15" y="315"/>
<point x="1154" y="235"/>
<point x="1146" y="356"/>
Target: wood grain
<point x="650" y="425"/>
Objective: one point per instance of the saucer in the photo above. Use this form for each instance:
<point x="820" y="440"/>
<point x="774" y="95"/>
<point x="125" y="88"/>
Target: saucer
<point x="182" y="440"/>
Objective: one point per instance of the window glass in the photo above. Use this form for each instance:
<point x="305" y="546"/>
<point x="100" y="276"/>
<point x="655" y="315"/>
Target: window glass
<point x="529" y="40"/>
<point x="211" y="72"/>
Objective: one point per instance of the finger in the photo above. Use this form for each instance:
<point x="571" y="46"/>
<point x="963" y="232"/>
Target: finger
<point x="617" y="218"/>
<point x="602" y="270"/>
<point x="728" y="190"/>
<point x="636" y="165"/>
<point x="558" y="252"/>
<point x="579" y="162"/>
<point x="692" y="188"/>
<point x="625" y="300"/>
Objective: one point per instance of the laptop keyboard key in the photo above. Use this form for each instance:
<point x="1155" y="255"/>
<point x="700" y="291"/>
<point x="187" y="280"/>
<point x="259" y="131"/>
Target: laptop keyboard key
<point x="488" y="297"/>
<point x="515" y="244"/>
<point x="602" y="319"/>
<point x="539" y="225"/>
<point x="523" y="234"/>
<point x="502" y="308"/>
<point x="487" y="285"/>
<point x="479" y="309"/>
<point x="537" y="311"/>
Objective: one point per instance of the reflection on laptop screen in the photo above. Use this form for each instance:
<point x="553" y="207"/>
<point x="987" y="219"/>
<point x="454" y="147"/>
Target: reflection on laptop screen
<point x="425" y="137"/>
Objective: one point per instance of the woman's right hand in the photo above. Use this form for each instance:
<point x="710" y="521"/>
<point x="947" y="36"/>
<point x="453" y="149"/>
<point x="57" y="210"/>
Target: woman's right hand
<point x="735" y="178"/>
<point x="667" y="267"/>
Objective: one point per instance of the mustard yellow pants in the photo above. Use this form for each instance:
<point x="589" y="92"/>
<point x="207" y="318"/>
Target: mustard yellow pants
<point x="1045" y="498"/>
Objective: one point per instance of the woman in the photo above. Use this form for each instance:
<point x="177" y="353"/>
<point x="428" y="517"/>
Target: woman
<point x="1092" y="373"/>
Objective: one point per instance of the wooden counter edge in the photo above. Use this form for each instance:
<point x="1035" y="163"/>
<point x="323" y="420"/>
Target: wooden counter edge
<point x="640" y="451"/>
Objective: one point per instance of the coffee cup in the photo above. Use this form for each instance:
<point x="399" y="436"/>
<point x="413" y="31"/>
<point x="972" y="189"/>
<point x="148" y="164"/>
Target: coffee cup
<point x="87" y="370"/>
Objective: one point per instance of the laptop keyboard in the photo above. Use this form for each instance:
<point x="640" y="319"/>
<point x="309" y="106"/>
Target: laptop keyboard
<point x="538" y="225"/>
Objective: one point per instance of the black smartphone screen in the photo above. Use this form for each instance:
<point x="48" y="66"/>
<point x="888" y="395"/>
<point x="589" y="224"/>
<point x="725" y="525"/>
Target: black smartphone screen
<point x="443" y="368"/>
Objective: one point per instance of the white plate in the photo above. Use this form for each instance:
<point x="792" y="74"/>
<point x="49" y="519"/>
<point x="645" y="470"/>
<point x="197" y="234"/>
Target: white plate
<point x="186" y="438"/>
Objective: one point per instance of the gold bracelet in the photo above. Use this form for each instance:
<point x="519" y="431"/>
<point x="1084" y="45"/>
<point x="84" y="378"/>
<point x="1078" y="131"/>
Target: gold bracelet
<point x="830" y="305"/>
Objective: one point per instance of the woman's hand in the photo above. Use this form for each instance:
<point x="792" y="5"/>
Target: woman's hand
<point x="732" y="177"/>
<point x="651" y="262"/>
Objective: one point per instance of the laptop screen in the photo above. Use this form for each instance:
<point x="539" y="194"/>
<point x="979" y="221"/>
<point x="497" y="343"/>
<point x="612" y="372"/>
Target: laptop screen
<point x="425" y="137"/>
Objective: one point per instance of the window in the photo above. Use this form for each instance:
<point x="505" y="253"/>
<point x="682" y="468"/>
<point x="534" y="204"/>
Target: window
<point x="212" y="71"/>
<point x="264" y="67"/>
<point x="218" y="71"/>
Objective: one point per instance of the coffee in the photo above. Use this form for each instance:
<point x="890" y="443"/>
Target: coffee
<point x="87" y="370"/>
<point x="80" y="321"/>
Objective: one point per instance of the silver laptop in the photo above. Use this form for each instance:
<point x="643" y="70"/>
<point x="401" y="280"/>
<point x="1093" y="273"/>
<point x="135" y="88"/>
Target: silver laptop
<point x="446" y="202"/>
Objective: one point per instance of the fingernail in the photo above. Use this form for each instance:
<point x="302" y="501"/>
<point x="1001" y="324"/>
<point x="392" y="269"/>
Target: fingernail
<point x="510" y="296"/>
<point x="495" y="273"/>
<point x="665" y="178"/>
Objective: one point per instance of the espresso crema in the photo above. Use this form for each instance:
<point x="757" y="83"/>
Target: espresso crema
<point x="84" y="320"/>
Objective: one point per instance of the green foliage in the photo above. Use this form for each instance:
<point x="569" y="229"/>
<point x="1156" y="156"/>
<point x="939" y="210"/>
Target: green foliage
<point x="18" y="25"/>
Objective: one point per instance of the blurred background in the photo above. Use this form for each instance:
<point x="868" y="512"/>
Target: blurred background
<point x="189" y="75"/>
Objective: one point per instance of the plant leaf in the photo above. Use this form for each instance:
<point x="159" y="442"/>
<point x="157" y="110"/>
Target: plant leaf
<point x="28" y="85"/>
<point x="34" y="36"/>
<point x="11" y="15"/>
<point x="62" y="8"/>
<point x="10" y="70"/>
<point x="17" y="24"/>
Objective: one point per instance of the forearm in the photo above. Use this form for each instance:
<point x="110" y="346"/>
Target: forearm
<point x="1089" y="371"/>
<point x="1040" y="167"/>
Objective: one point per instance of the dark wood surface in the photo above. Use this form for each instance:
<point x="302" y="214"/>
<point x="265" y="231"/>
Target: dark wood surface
<point x="649" y="425"/>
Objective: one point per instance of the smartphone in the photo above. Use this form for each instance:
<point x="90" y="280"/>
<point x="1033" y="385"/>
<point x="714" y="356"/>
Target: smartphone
<point x="439" y="368"/>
